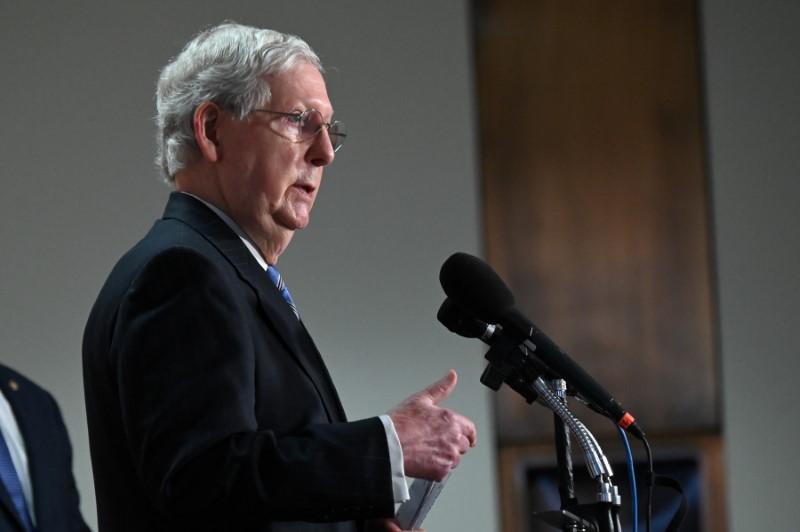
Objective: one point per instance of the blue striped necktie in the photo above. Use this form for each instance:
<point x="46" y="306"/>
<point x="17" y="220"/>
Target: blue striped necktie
<point x="278" y="280"/>
<point x="10" y="479"/>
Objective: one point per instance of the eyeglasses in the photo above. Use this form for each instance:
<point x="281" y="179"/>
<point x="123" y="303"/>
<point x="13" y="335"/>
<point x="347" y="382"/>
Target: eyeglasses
<point x="310" y="122"/>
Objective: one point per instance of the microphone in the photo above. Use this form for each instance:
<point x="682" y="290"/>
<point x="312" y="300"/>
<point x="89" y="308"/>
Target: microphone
<point x="515" y="354"/>
<point x="508" y="361"/>
<point x="458" y="322"/>
<point x="476" y="289"/>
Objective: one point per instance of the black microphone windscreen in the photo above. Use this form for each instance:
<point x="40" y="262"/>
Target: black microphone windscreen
<point x="456" y="321"/>
<point x="475" y="288"/>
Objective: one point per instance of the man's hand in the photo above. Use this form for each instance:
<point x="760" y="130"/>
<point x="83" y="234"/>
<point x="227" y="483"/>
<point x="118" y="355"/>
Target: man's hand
<point x="432" y="438"/>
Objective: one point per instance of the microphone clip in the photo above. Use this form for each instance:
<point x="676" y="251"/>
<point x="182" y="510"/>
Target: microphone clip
<point x="509" y="364"/>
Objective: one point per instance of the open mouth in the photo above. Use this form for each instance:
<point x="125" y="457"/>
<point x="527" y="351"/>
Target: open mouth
<point x="306" y="188"/>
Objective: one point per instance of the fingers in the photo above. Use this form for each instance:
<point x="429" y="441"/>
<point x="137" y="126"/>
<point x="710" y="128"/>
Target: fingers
<point x="470" y="432"/>
<point x="432" y="438"/>
<point x="440" y="389"/>
<point x="464" y="444"/>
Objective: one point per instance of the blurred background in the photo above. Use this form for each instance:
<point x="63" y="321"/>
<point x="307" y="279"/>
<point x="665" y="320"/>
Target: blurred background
<point x="631" y="171"/>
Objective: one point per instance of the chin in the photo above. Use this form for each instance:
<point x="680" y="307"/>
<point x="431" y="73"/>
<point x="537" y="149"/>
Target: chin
<point x="300" y="222"/>
<point x="294" y="225"/>
<point x="292" y="220"/>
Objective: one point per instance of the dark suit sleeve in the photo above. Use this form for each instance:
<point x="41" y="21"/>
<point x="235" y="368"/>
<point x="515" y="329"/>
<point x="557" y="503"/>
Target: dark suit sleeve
<point x="185" y="368"/>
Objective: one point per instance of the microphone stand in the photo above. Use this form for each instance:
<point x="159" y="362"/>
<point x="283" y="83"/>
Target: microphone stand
<point x="509" y="364"/>
<point x="566" y="479"/>
<point x="602" y="516"/>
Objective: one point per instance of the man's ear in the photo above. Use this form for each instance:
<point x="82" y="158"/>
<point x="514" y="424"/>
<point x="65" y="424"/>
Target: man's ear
<point x="205" y="121"/>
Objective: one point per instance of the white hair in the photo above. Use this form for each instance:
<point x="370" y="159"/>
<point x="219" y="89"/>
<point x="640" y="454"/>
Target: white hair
<point x="225" y="64"/>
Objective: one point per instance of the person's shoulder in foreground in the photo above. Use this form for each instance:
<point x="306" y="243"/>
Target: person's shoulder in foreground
<point x="38" y="446"/>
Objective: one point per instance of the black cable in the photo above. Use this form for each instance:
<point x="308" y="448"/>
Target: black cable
<point x="649" y="476"/>
<point x="652" y="480"/>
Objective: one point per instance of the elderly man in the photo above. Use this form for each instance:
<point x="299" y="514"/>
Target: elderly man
<point x="208" y="404"/>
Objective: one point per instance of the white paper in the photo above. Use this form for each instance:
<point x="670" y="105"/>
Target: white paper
<point x="423" y="494"/>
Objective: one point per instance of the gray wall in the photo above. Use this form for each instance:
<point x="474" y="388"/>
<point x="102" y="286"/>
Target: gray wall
<point x="752" y="54"/>
<point x="80" y="187"/>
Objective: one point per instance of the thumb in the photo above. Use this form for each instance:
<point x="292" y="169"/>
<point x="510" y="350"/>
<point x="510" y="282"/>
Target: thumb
<point x="440" y="389"/>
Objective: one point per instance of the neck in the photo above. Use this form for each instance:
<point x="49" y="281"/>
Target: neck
<point x="269" y="241"/>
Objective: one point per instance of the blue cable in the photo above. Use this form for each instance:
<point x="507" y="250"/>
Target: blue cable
<point x="631" y="476"/>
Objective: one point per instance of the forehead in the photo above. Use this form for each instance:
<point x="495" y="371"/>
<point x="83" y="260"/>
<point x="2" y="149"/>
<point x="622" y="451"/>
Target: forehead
<point x="302" y="85"/>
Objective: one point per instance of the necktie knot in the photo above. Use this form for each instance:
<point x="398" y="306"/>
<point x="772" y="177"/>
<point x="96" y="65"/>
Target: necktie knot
<point x="276" y="278"/>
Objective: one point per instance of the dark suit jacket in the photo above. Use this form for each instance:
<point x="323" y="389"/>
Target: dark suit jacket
<point x="55" y="497"/>
<point x="209" y="407"/>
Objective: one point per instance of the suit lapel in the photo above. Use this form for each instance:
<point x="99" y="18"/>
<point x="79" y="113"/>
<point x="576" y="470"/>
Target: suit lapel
<point x="294" y="334"/>
<point x="276" y="313"/>
<point x="11" y="389"/>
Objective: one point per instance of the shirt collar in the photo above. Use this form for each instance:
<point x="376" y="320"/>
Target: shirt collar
<point x="236" y="229"/>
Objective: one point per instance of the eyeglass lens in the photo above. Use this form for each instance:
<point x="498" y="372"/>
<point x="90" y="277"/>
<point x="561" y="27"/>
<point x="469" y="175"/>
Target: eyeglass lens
<point x="312" y="122"/>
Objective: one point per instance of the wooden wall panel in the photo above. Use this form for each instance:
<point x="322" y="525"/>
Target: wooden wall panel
<point x="706" y="507"/>
<point x="596" y="209"/>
